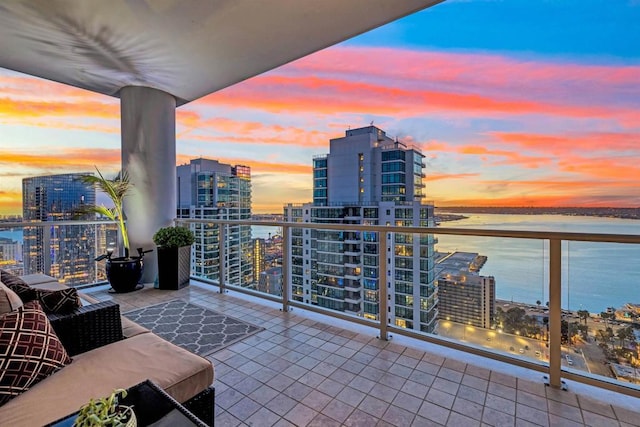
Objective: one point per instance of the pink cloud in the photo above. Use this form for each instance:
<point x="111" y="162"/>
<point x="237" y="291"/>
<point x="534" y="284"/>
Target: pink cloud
<point x="475" y="72"/>
<point x="562" y="144"/>
<point x="283" y="92"/>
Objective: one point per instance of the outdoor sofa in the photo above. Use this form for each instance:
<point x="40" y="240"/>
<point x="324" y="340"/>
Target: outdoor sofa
<point x="108" y="352"/>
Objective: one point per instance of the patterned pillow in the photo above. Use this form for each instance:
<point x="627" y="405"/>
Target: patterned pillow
<point x="29" y="350"/>
<point x="19" y="286"/>
<point x="59" y="301"/>
<point x="9" y="300"/>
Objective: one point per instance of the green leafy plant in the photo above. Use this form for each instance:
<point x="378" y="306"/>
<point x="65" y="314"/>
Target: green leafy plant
<point x="116" y="189"/>
<point x="105" y="411"/>
<point x="173" y="237"/>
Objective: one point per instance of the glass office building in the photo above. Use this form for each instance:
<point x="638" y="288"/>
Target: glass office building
<point x="72" y="249"/>
<point x="208" y="189"/>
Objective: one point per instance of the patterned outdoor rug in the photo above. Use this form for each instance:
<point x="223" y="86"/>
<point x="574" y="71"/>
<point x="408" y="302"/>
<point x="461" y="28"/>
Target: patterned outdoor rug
<point x="197" y="329"/>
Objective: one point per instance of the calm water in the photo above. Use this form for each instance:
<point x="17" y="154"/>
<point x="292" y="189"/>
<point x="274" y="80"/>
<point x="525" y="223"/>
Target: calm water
<point x="594" y="276"/>
<point x="15" y="235"/>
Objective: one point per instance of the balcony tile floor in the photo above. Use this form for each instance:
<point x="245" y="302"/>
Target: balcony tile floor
<point x="305" y="369"/>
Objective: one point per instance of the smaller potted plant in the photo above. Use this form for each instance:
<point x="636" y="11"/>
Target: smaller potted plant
<point x="106" y="411"/>
<point x="174" y="256"/>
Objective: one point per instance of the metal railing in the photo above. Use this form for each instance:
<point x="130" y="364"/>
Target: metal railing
<point x="554" y="369"/>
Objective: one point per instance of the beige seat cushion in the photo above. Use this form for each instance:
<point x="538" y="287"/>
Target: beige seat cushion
<point x="98" y="372"/>
<point x="88" y="298"/>
<point x="37" y="278"/>
<point x="51" y="286"/>
<point x="131" y="328"/>
<point x="9" y="300"/>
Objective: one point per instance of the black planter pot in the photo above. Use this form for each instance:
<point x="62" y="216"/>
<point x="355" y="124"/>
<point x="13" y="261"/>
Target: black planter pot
<point x="125" y="273"/>
<point x="174" y="267"/>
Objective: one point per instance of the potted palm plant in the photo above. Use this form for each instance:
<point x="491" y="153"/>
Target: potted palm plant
<point x="123" y="272"/>
<point x="174" y="256"/>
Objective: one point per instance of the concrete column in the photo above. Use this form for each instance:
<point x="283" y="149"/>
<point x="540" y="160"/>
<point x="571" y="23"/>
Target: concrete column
<point x="149" y="156"/>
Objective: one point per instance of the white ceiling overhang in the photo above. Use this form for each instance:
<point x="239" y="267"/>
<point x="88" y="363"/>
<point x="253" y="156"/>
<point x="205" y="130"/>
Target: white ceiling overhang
<point x="188" y="48"/>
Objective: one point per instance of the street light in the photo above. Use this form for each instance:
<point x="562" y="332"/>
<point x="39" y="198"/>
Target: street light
<point x="464" y="330"/>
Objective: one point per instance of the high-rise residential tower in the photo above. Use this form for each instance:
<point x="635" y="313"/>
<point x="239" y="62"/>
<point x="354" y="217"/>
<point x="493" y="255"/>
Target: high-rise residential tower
<point x="71" y="249"/>
<point x="270" y="281"/>
<point x="259" y="257"/>
<point x="10" y="251"/>
<point x="208" y="189"/>
<point x="464" y="296"/>
<point x="370" y="179"/>
<point x="467" y="298"/>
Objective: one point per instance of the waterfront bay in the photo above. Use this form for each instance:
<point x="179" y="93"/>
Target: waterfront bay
<point x="15" y="235"/>
<point x="594" y="275"/>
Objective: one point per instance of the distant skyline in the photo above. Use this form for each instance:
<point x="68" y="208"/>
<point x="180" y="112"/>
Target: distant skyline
<point x="513" y="103"/>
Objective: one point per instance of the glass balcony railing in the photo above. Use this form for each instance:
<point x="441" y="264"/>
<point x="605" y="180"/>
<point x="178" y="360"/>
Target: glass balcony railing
<point x="65" y="250"/>
<point x="564" y="304"/>
<point x="534" y="299"/>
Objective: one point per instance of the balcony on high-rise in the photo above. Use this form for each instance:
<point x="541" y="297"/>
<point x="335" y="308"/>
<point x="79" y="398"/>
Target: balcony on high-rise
<point x="361" y="326"/>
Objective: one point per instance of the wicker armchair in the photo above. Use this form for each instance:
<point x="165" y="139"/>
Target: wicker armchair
<point x="88" y="327"/>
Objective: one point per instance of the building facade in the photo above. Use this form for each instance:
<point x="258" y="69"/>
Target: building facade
<point x="208" y="189"/>
<point x="270" y="281"/>
<point x="467" y="298"/>
<point x="11" y="255"/>
<point x="259" y="257"/>
<point x="464" y="295"/>
<point x="367" y="179"/>
<point x="65" y="252"/>
<point x="10" y="251"/>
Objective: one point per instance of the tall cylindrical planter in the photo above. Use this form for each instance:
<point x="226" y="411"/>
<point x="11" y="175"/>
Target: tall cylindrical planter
<point x="174" y="267"/>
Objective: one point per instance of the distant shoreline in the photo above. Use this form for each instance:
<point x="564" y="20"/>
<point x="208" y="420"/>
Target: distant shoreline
<point x="622" y="213"/>
<point x="443" y="217"/>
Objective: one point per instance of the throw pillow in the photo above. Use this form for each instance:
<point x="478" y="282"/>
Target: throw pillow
<point x="29" y="348"/>
<point x="19" y="286"/>
<point x="59" y="301"/>
<point x="9" y="300"/>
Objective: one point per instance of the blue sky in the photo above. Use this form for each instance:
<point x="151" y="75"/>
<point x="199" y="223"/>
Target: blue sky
<point x="589" y="30"/>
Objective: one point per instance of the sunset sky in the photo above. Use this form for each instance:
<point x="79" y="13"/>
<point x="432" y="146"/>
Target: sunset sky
<point x="514" y="103"/>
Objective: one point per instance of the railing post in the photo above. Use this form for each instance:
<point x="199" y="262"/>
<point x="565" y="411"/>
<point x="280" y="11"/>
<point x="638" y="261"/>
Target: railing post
<point x="382" y="262"/>
<point x="555" y="313"/>
<point x="46" y="247"/>
<point x="222" y="250"/>
<point x="286" y="257"/>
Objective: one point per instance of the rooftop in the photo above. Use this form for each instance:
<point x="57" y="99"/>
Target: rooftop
<point x="310" y="369"/>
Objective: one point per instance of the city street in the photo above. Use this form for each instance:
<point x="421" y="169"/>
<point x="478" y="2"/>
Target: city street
<point x="511" y="344"/>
